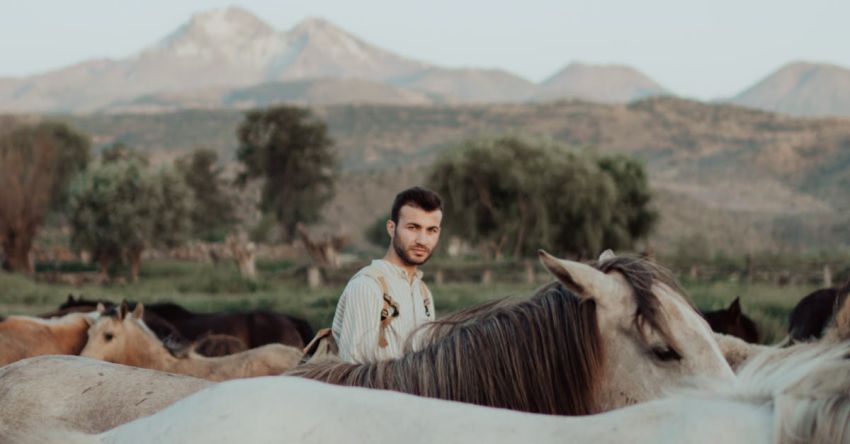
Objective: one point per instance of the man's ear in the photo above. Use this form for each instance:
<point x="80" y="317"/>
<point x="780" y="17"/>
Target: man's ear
<point x="390" y="228"/>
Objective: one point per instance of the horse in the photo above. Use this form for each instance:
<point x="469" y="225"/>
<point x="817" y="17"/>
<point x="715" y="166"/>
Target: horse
<point x="803" y="399"/>
<point x="120" y="336"/>
<point x="813" y="313"/>
<point x="86" y="394"/>
<point x="732" y="321"/>
<point x="175" y="323"/>
<point x="739" y="352"/>
<point x="25" y="336"/>
<point x="597" y="338"/>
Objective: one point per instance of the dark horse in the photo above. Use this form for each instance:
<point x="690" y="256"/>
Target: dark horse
<point x="174" y="323"/>
<point x="732" y="321"/>
<point x="813" y="313"/>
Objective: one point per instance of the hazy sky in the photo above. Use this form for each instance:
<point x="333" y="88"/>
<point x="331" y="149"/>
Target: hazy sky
<point x="703" y="49"/>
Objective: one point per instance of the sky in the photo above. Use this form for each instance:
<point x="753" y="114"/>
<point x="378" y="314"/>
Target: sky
<point x="699" y="49"/>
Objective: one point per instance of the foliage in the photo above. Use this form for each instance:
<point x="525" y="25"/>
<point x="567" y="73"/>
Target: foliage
<point x="119" y="208"/>
<point x="290" y="149"/>
<point x="513" y="193"/>
<point x="376" y="232"/>
<point x="36" y="163"/>
<point x="214" y="213"/>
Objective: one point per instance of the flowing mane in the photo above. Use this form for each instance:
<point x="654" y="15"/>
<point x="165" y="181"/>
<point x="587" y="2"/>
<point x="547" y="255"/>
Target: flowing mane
<point x="541" y="355"/>
<point x="641" y="274"/>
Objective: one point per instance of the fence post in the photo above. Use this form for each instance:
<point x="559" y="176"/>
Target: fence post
<point x="827" y="276"/>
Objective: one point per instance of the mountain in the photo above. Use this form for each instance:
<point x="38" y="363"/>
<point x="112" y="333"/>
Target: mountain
<point x="225" y="48"/>
<point x="801" y="89"/>
<point x="470" y="85"/>
<point x="218" y="58"/>
<point x="599" y="83"/>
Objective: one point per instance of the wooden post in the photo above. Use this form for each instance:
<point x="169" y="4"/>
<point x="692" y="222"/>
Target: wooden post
<point x="827" y="276"/>
<point x="529" y="272"/>
<point x="439" y="277"/>
<point x="487" y="277"/>
<point x="314" y="276"/>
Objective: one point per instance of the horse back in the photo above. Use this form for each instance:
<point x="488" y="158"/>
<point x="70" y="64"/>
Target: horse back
<point x="812" y="314"/>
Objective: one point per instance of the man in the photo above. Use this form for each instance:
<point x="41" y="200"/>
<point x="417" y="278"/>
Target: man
<point x="387" y="300"/>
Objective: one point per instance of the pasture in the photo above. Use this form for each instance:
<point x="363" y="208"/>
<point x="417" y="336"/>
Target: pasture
<point x="206" y="288"/>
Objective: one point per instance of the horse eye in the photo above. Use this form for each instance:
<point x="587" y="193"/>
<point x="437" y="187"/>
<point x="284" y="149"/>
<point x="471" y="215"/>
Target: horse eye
<point x="108" y="336"/>
<point x="666" y="353"/>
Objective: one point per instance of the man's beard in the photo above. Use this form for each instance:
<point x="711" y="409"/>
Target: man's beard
<point x="402" y="253"/>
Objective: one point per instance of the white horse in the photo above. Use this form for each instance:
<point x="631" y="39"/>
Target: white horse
<point x="802" y="399"/>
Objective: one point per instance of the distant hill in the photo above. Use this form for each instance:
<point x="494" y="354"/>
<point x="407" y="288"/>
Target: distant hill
<point x="801" y="89"/>
<point x="220" y="55"/>
<point x="599" y="83"/>
<point x="733" y="178"/>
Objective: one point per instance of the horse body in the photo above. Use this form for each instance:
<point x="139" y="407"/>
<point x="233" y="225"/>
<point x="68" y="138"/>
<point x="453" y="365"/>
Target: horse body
<point x="124" y="339"/>
<point x="597" y="340"/>
<point x="803" y="399"/>
<point x="24" y="336"/>
<point x="170" y="320"/>
<point x="88" y="395"/>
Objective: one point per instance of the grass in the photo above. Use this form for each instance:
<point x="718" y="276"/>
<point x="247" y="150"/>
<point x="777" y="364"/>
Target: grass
<point x="204" y="287"/>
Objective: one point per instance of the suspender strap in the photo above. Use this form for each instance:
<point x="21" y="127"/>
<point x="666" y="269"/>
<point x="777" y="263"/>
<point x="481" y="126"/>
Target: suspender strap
<point x="389" y="312"/>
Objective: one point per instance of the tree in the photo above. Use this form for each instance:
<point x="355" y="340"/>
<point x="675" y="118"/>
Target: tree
<point x="119" y="209"/>
<point x="36" y="163"/>
<point x="290" y="149"/>
<point x="214" y="213"/>
<point x="515" y="193"/>
<point x="633" y="218"/>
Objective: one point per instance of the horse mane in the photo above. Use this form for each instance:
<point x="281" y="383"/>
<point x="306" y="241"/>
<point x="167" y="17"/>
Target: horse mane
<point x="808" y="390"/>
<point x="641" y="275"/>
<point x="541" y="355"/>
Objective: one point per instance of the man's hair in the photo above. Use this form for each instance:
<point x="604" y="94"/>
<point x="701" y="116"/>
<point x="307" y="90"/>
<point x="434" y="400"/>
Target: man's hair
<point x="416" y="197"/>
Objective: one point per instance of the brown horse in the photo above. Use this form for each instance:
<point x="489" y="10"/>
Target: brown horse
<point x="731" y="321"/>
<point x="175" y="323"/>
<point x="24" y="336"/>
<point x="122" y="337"/>
<point x="598" y="339"/>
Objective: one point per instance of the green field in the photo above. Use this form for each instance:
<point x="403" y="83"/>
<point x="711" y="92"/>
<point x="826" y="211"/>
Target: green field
<point x="204" y="287"/>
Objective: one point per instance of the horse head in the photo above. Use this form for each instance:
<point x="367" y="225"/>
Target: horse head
<point x="653" y="337"/>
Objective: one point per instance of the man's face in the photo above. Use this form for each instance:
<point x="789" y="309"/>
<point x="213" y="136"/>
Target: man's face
<point x="416" y="235"/>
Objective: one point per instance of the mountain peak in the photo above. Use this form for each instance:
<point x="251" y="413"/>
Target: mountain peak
<point x="220" y="26"/>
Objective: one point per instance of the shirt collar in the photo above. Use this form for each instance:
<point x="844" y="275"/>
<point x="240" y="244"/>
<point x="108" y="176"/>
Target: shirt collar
<point x="401" y="272"/>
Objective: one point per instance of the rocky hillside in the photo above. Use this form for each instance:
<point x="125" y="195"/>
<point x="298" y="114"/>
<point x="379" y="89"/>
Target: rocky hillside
<point x="728" y="177"/>
<point x="802" y="89"/>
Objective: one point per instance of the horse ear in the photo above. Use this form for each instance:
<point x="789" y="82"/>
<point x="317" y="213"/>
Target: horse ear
<point x="123" y="309"/>
<point x="735" y="307"/>
<point x="582" y="279"/>
<point x="607" y="255"/>
<point x="139" y="311"/>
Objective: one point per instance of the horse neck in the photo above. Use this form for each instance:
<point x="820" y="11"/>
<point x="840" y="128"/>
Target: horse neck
<point x="144" y="350"/>
<point x="499" y="363"/>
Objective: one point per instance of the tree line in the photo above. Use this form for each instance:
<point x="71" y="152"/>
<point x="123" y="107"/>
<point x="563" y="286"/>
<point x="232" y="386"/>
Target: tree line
<point x="506" y="195"/>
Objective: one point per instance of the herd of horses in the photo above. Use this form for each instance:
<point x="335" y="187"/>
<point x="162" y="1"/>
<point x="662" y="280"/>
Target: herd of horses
<point x="616" y="341"/>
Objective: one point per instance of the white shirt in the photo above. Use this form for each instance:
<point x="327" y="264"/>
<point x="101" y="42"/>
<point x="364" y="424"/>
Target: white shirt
<point x="356" y="324"/>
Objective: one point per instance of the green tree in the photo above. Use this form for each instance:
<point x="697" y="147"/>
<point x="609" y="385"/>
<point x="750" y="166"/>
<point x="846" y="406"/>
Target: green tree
<point x="634" y="217"/>
<point x="36" y="164"/>
<point x="290" y="149"/>
<point x="119" y="209"/>
<point x="517" y="194"/>
<point x="214" y="213"/>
